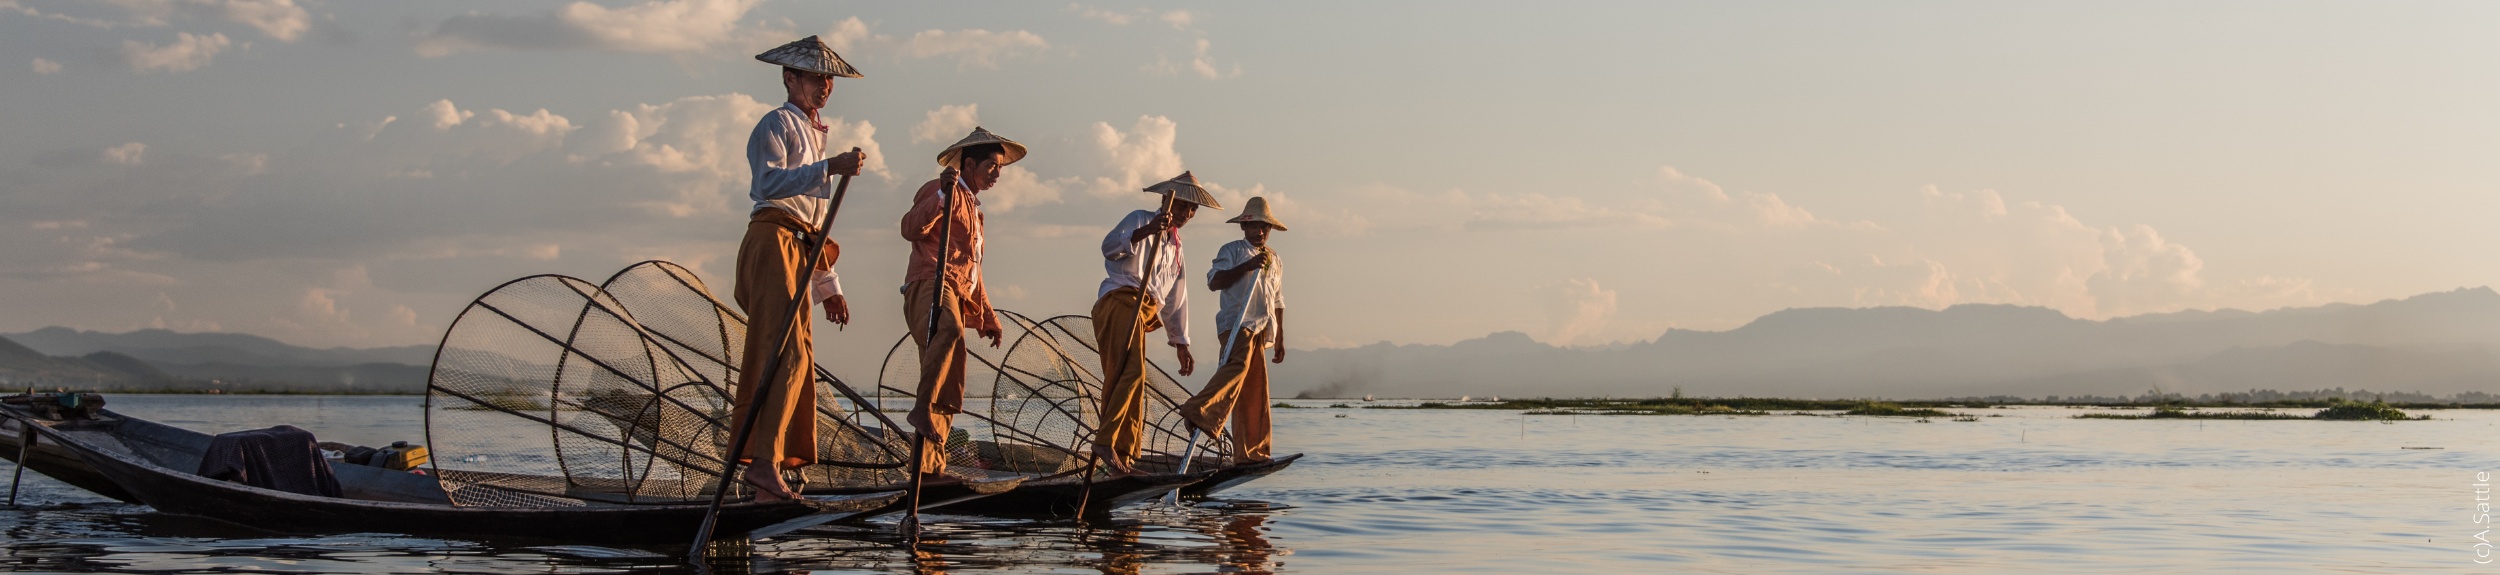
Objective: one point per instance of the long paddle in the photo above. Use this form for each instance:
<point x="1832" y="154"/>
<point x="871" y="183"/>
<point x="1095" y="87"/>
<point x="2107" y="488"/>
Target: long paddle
<point x="1145" y="279"/>
<point x="772" y="365"/>
<point x="937" y="297"/>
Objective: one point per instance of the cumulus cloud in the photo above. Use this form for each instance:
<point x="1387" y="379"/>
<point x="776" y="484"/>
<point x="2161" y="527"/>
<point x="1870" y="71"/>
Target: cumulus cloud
<point x="126" y="154"/>
<point x="947" y="124"/>
<point x="655" y="27"/>
<point x="280" y="19"/>
<point x="187" y="52"/>
<point x="1200" y="62"/>
<point x="1575" y="309"/>
<point x="43" y="66"/>
<point x="974" y="48"/>
<point x="1138" y="156"/>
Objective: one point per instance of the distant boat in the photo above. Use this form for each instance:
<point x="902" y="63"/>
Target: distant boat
<point x="1494" y="398"/>
<point x="1463" y="398"/>
<point x="1368" y="398"/>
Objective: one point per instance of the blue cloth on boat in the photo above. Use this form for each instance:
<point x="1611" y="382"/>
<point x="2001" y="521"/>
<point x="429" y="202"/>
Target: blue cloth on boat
<point x="283" y="458"/>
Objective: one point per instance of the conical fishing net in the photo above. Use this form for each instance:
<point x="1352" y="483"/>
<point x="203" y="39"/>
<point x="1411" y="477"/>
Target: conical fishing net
<point x="549" y="391"/>
<point x="546" y="392"/>
<point x="1042" y="393"/>
<point x="853" y="447"/>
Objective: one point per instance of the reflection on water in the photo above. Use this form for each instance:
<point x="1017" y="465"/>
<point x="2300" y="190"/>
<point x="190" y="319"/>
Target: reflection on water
<point x="1402" y="491"/>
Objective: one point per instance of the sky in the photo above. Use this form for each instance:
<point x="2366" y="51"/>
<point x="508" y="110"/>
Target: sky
<point x="353" y="173"/>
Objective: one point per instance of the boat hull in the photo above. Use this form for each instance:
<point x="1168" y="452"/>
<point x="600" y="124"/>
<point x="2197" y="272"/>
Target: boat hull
<point x="127" y="459"/>
<point x="1234" y="476"/>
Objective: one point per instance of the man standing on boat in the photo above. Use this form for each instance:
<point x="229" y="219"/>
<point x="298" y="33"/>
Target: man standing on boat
<point x="945" y="218"/>
<point x="1249" y="319"/>
<point x="792" y="183"/>
<point x="1143" y="293"/>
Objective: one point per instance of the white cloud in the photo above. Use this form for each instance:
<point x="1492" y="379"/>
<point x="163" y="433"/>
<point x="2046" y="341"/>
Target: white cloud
<point x="126" y="154"/>
<point x="1575" y="309"/>
<point x="970" y="48"/>
<point x="1111" y="17"/>
<point x="43" y="66"/>
<point x="444" y="114"/>
<point x="947" y="123"/>
<point x="1200" y="62"/>
<point x="656" y="27"/>
<point x="188" y="52"/>
<point x="974" y="48"/>
<point x="280" y="19"/>
<point x="1140" y="156"/>
<point x="1018" y="187"/>
<point x="1180" y="19"/>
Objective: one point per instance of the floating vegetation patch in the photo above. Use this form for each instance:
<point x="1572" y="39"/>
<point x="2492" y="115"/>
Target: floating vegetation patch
<point x="2358" y="411"/>
<point x="2191" y="413"/>
<point x="1888" y="409"/>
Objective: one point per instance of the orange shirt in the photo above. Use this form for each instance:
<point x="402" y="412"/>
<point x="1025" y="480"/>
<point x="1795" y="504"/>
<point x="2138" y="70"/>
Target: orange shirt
<point x="963" y="258"/>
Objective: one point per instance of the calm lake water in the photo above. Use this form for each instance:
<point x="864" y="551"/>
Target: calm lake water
<point x="1410" y="491"/>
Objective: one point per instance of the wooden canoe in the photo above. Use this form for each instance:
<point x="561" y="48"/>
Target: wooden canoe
<point x="151" y="463"/>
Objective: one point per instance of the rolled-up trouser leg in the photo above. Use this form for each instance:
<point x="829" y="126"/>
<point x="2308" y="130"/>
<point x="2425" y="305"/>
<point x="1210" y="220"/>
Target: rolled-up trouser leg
<point x="1213" y="405"/>
<point x="1120" y="426"/>
<point x="1252" y="434"/>
<point x="941" y="391"/>
<point x="769" y="287"/>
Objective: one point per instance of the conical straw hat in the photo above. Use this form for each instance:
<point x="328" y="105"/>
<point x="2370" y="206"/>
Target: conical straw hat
<point x="809" y="54"/>
<point x="1256" y="211"/>
<point x="1185" y="188"/>
<point x="979" y="136"/>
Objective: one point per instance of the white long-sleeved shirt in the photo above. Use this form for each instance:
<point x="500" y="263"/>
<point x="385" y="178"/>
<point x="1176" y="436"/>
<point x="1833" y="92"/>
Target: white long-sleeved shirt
<point x="1251" y="302"/>
<point x="1122" y="258"/>
<point x="786" y="154"/>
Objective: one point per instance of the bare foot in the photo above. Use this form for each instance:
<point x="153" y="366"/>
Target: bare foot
<point x="767" y="484"/>
<point x="1113" y="461"/>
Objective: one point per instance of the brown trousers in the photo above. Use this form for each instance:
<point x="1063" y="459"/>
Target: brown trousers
<point x="1120" y="422"/>
<point x="941" y="391"/>
<point x="769" y="289"/>
<point x="1237" y="392"/>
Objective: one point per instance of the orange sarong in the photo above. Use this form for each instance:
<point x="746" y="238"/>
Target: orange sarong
<point x="941" y="390"/>
<point x="771" y="289"/>
<point x="1120" y="423"/>
<point x="1238" y="392"/>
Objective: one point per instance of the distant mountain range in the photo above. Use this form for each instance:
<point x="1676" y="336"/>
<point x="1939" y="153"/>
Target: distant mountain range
<point x="157" y="359"/>
<point x="2438" y="343"/>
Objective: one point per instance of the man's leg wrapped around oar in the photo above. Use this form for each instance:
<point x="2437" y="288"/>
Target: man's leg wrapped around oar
<point x="942" y="363"/>
<point x="1238" y="394"/>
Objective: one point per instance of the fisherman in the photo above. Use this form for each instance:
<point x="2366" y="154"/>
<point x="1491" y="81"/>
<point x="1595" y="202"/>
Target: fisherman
<point x="792" y="183"/>
<point x="945" y="217"/>
<point x="1249" y="319"/>
<point x="1130" y="304"/>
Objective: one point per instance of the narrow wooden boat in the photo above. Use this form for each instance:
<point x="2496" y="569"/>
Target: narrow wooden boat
<point x="1057" y="496"/>
<point x="57" y="461"/>
<point x="149" y="462"/>
<point x="1227" y="477"/>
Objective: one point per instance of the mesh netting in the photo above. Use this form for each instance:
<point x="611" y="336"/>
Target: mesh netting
<point x="1041" y="396"/>
<point x="853" y="447"/>
<point x="546" y="389"/>
<point x="549" y="391"/>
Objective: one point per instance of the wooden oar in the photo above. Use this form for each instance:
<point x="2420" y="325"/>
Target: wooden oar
<point x="1145" y="279"/>
<point x="937" y="297"/>
<point x="763" y="388"/>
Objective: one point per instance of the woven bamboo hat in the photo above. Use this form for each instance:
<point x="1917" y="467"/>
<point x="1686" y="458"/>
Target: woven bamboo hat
<point x="1185" y="188"/>
<point x="809" y="54"/>
<point x="979" y="136"/>
<point x="1255" y="210"/>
